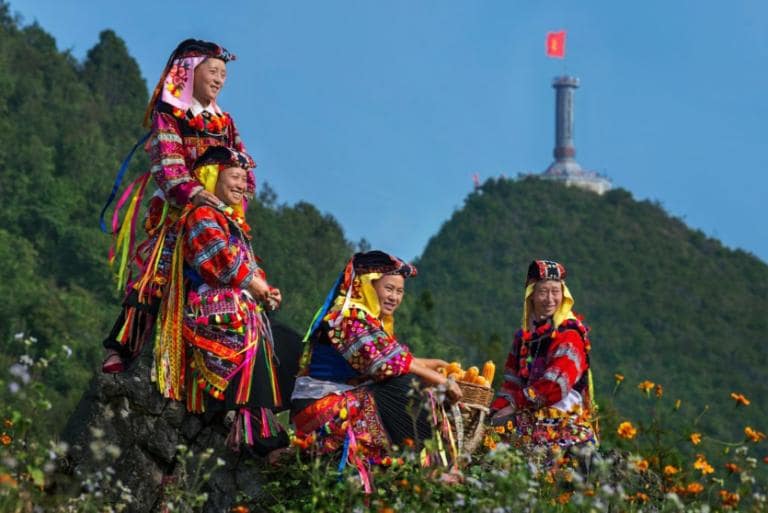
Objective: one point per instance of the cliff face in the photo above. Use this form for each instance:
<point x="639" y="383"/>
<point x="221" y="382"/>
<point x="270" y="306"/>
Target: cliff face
<point x="123" y="426"/>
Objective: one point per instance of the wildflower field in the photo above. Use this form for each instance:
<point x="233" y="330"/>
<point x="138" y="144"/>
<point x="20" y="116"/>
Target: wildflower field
<point x="661" y="462"/>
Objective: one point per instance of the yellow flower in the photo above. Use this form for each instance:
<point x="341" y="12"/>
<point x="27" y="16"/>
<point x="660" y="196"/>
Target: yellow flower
<point x="642" y="465"/>
<point x="753" y="435"/>
<point x="695" y="438"/>
<point x="702" y="465"/>
<point x="677" y="404"/>
<point x="646" y="386"/>
<point x="618" y="377"/>
<point x="626" y="430"/>
<point x="740" y="399"/>
<point x="670" y="470"/>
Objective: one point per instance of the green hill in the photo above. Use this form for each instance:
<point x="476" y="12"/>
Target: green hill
<point x="665" y="303"/>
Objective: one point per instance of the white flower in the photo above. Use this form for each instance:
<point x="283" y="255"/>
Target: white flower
<point x="19" y="335"/>
<point x="26" y="360"/>
<point x="67" y="350"/>
<point x="13" y="387"/>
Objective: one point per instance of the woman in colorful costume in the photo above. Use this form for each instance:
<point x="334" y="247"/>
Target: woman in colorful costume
<point x="546" y="398"/>
<point x="354" y="390"/>
<point x="214" y="338"/>
<point x="185" y="120"/>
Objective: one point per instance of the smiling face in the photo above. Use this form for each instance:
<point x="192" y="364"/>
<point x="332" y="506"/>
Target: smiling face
<point x="209" y="79"/>
<point x="390" y="290"/>
<point x="231" y="185"/>
<point x="546" y="298"/>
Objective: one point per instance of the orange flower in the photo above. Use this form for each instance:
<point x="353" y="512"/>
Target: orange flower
<point x="8" y="480"/>
<point x="408" y="442"/>
<point x="732" y="468"/>
<point x="729" y="499"/>
<point x="8" y="423"/>
<point x="638" y="497"/>
<point x="703" y="465"/>
<point x="765" y="459"/>
<point x="240" y="509"/>
<point x="659" y="391"/>
<point x="670" y="470"/>
<point x="489" y="442"/>
<point x="740" y="399"/>
<point x="694" y="488"/>
<point x="626" y="430"/>
<point x="564" y="498"/>
<point x="753" y="435"/>
<point x="695" y="438"/>
<point x="646" y="386"/>
<point x="641" y="465"/>
<point x="6" y="439"/>
<point x="618" y="377"/>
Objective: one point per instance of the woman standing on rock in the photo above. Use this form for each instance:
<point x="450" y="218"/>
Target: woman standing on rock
<point x="185" y="120"/>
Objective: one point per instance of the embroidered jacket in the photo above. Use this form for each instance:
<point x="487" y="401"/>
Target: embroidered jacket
<point x="355" y="348"/>
<point x="217" y="253"/>
<point x="178" y="139"/>
<point x="544" y="365"/>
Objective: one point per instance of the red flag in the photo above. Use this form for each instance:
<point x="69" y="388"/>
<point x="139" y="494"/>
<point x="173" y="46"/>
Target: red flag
<point x="556" y="44"/>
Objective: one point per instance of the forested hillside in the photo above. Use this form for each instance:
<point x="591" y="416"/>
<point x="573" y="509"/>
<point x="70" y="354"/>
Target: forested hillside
<point x="64" y="128"/>
<point x="665" y="303"/>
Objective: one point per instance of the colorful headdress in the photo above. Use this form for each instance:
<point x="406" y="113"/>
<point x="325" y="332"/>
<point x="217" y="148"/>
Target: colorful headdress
<point x="177" y="81"/>
<point x="541" y="270"/>
<point x="545" y="270"/>
<point x="354" y="287"/>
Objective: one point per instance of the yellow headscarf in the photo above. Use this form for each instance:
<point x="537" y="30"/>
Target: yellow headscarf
<point x="208" y="175"/>
<point x="362" y="295"/>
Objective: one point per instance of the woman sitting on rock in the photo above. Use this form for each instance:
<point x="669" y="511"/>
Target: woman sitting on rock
<point x="545" y="400"/>
<point x="356" y="390"/>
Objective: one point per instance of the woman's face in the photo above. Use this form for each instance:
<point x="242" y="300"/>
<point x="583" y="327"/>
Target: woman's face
<point x="209" y="79"/>
<point x="231" y="185"/>
<point x="547" y="298"/>
<point x="390" y="290"/>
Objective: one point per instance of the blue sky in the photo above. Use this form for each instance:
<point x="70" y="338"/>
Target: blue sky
<point x="380" y="112"/>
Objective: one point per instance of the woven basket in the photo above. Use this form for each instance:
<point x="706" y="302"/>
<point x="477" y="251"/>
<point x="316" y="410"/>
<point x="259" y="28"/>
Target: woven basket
<point x="475" y="394"/>
<point x="469" y="416"/>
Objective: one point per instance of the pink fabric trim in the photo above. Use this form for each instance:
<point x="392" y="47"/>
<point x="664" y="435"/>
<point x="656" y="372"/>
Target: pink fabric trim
<point x="181" y="78"/>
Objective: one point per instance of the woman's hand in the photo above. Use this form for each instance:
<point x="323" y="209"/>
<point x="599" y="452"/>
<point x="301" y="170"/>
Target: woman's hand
<point x="502" y="416"/>
<point x="259" y="289"/>
<point x="432" y="363"/>
<point x="275" y="298"/>
<point x="205" y="198"/>
<point x="453" y="391"/>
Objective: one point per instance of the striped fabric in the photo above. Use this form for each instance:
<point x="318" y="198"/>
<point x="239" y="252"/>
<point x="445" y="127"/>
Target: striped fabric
<point x="221" y="258"/>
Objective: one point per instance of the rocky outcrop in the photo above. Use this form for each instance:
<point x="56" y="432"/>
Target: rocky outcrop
<point x="124" y="427"/>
